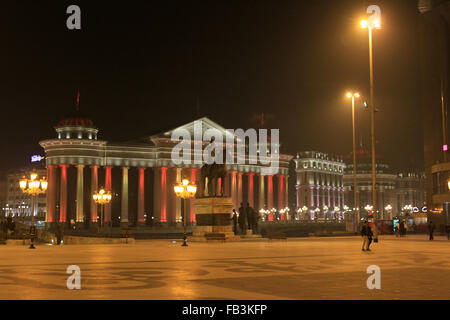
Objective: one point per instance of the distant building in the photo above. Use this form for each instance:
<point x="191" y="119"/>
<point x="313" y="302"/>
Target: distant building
<point x="434" y="45"/>
<point x="17" y="203"/>
<point x="397" y="193"/>
<point x="319" y="185"/>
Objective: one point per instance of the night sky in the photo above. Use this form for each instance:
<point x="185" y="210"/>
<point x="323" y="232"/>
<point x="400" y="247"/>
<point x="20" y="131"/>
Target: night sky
<point x="144" y="66"/>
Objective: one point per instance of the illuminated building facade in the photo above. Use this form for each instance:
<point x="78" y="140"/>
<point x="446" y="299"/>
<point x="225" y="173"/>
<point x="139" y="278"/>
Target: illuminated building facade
<point x="319" y="185"/>
<point x="140" y="175"/>
<point x="397" y="193"/>
<point x="18" y="204"/>
<point x="434" y="45"/>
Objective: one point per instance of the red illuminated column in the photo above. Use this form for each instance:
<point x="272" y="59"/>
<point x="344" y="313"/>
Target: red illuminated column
<point x="270" y="196"/>
<point x="160" y="194"/>
<point x="270" y="192"/>
<point x="250" y="189"/>
<point x="94" y="187"/>
<point x="281" y="204"/>
<point x="192" y="200"/>
<point x="239" y="188"/>
<point x="51" y="194"/>
<point x="107" y="213"/>
<point x="329" y="197"/>
<point x="63" y="194"/>
<point x="233" y="190"/>
<point x="141" y="198"/>
<point x="286" y="189"/>
<point x="261" y="200"/>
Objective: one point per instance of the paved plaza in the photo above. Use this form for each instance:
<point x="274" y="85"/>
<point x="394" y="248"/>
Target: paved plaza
<point x="302" y="268"/>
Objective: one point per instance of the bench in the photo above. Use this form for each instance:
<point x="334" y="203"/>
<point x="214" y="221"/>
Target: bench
<point x="215" y="236"/>
<point x="276" y="235"/>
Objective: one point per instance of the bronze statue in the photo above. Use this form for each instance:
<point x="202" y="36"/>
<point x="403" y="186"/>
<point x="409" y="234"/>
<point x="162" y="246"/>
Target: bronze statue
<point x="210" y="174"/>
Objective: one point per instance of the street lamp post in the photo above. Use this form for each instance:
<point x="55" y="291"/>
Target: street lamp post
<point x="355" y="193"/>
<point x="102" y="197"/>
<point x="33" y="187"/>
<point x="185" y="190"/>
<point x="370" y="25"/>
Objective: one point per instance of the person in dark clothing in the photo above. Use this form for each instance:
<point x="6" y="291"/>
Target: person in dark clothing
<point x="255" y="221"/>
<point x="431" y="230"/>
<point x="448" y="231"/>
<point x="58" y="234"/>
<point x="235" y="221"/>
<point x="249" y="216"/>
<point x="369" y="236"/>
<point x="365" y="235"/>
<point x="242" y="219"/>
<point x="402" y="229"/>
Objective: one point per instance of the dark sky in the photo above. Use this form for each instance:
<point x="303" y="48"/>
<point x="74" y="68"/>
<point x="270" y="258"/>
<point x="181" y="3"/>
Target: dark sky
<point x="142" y="65"/>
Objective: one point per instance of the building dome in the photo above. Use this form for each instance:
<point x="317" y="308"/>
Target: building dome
<point x="76" y="126"/>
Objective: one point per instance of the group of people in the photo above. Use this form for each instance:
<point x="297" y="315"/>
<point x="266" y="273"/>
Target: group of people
<point x="367" y="235"/>
<point x="247" y="219"/>
<point x="400" y="229"/>
<point x="7" y="226"/>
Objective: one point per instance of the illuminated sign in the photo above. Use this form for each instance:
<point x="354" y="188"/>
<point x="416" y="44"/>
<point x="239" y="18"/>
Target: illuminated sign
<point x="424" y="209"/>
<point x="36" y="158"/>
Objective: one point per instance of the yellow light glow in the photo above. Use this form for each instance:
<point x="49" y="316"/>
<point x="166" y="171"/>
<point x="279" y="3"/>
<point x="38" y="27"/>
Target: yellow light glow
<point x="102" y="191"/>
<point x="33" y="176"/>
<point x="185" y="182"/>
<point x="191" y="189"/>
<point x="44" y="184"/>
<point x="23" y="183"/>
<point x="356" y="95"/>
<point x="364" y="24"/>
<point x="349" y="95"/>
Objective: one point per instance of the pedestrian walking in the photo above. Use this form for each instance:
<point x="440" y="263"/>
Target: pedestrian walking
<point x="397" y="229"/>
<point x="241" y="220"/>
<point x="431" y="229"/>
<point x="249" y="216"/>
<point x="235" y="221"/>
<point x="365" y="236"/>
<point x="369" y="236"/>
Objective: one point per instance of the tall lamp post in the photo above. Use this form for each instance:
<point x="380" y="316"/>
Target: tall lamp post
<point x="373" y="23"/>
<point x="33" y="187"/>
<point x="355" y="193"/>
<point x="185" y="190"/>
<point x="102" y="197"/>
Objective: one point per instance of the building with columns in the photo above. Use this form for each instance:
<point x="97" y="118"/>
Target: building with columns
<point x="319" y="183"/>
<point x="140" y="175"/>
<point x="395" y="191"/>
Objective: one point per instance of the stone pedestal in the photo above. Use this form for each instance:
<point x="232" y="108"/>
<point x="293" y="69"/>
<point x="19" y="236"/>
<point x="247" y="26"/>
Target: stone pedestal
<point x="213" y="215"/>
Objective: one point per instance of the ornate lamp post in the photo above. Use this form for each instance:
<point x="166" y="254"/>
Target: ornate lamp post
<point x="185" y="190"/>
<point x="33" y="187"/>
<point x="355" y="194"/>
<point x="388" y="208"/>
<point x="102" y="197"/>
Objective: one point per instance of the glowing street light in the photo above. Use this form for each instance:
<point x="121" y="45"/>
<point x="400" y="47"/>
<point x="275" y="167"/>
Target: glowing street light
<point x="355" y="194"/>
<point x="373" y="22"/>
<point x="185" y="190"/>
<point x="33" y="186"/>
<point x="102" y="197"/>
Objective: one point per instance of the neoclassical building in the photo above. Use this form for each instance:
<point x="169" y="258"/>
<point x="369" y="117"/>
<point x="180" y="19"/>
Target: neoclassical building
<point x="319" y="183"/>
<point x="140" y="175"/>
<point x="395" y="191"/>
